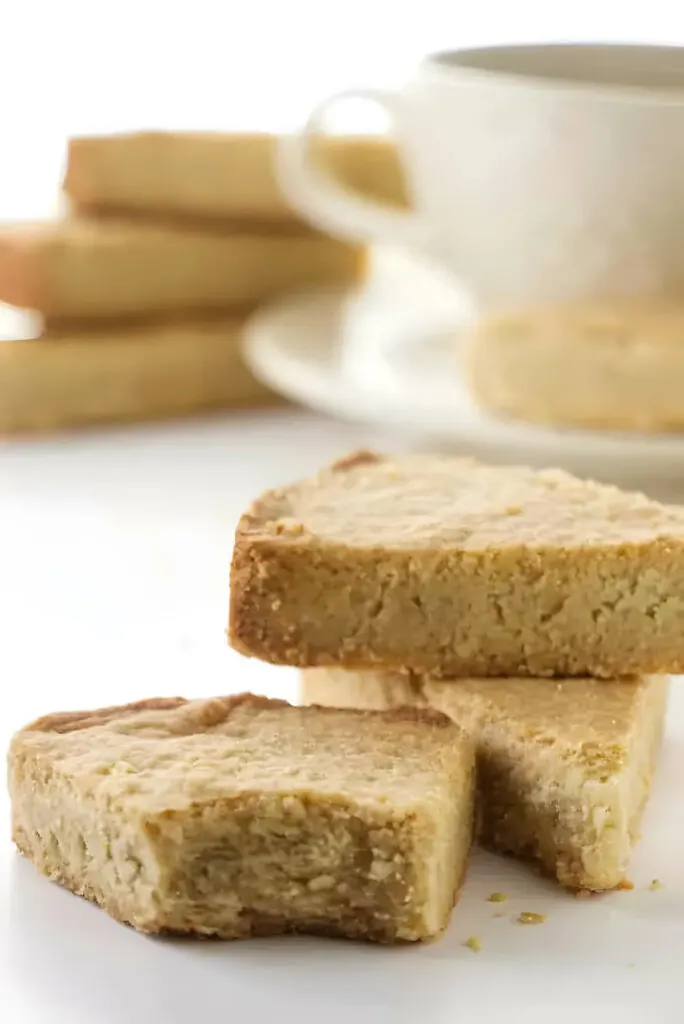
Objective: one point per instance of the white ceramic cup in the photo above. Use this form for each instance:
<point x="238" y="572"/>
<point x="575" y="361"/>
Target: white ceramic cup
<point x="539" y="174"/>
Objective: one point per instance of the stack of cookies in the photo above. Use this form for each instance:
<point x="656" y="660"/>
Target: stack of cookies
<point x="493" y="643"/>
<point x="537" y="611"/>
<point x="170" y="241"/>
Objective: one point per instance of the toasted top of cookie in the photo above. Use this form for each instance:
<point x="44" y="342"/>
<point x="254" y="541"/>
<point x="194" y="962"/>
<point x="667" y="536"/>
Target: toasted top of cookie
<point x="442" y="502"/>
<point x="591" y="723"/>
<point x="587" y="723"/>
<point x="170" y="754"/>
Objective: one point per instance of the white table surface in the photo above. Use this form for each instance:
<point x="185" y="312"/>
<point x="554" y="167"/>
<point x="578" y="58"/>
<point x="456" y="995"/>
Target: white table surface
<point x="114" y="555"/>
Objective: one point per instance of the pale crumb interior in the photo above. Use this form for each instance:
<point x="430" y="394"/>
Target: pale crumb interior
<point x="286" y="864"/>
<point x="259" y="867"/>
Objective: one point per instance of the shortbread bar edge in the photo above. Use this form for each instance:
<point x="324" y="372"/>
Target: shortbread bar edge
<point x="494" y="601"/>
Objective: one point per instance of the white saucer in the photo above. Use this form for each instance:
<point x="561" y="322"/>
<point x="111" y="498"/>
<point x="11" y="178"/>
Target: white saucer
<point x="377" y="357"/>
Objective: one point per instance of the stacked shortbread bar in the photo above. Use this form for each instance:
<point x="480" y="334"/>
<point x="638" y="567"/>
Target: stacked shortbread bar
<point x="143" y="288"/>
<point x="538" y="611"/>
<point x="492" y="646"/>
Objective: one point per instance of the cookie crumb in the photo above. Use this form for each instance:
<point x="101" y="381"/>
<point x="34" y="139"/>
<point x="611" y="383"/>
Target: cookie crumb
<point x="497" y="897"/>
<point x="288" y="527"/>
<point x="529" y="917"/>
<point x="655" y="885"/>
<point x="624" y="886"/>
<point x="583" y="894"/>
<point x="474" y="942"/>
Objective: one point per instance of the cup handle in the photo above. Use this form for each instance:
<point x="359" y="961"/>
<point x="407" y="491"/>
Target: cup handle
<point x="325" y="202"/>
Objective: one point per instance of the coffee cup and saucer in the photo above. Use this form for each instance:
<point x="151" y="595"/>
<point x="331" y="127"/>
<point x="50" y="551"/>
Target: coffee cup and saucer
<point x="543" y="176"/>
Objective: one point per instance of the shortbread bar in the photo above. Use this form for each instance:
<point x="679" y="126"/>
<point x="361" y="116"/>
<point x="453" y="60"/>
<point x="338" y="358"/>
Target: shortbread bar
<point x="215" y="175"/>
<point x="241" y="816"/>
<point x="81" y="268"/>
<point x="120" y="373"/>
<point x="612" y="368"/>
<point x="446" y="566"/>
<point x="565" y="766"/>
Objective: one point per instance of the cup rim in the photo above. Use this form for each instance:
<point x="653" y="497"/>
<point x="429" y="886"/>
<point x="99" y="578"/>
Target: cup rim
<point x="454" y="66"/>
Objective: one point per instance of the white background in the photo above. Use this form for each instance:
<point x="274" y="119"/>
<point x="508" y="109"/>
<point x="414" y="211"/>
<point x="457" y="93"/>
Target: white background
<point x="115" y="548"/>
<point x="81" y="66"/>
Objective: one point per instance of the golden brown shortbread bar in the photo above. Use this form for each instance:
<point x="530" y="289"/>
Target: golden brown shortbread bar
<point x="85" y="268"/>
<point x="241" y="816"/>
<point x="215" y="175"/>
<point x="448" y="566"/>
<point x="118" y="373"/>
<point x="614" y="367"/>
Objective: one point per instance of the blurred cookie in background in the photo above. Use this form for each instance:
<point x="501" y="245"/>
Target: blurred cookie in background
<point x="612" y="367"/>
<point x="67" y="377"/>
<point x="86" y="268"/>
<point x="216" y="175"/>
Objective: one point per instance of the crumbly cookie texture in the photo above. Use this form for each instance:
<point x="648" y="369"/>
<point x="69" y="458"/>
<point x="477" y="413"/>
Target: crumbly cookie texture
<point x="447" y="566"/>
<point x="241" y="816"/>
<point x="619" y="367"/>
<point x="565" y="766"/>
